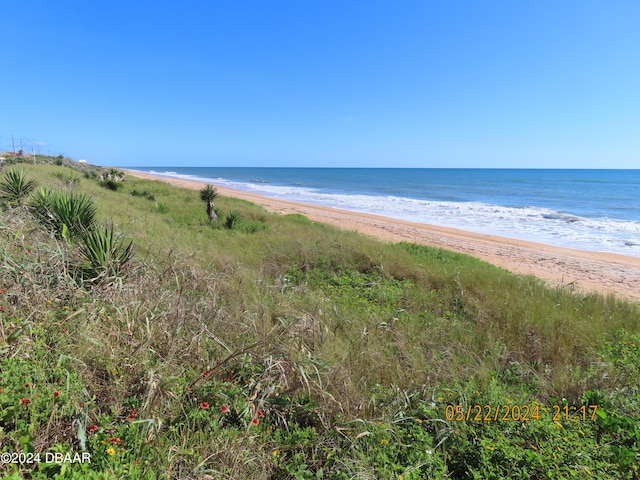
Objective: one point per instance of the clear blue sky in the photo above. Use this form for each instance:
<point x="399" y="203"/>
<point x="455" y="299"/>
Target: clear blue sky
<point x="368" y="83"/>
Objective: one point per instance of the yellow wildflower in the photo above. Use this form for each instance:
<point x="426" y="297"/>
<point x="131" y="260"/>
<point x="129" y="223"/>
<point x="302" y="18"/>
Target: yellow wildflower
<point x="111" y="451"/>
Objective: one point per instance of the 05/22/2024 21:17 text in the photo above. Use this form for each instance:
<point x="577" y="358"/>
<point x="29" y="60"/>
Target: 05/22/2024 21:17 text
<point x="518" y="413"/>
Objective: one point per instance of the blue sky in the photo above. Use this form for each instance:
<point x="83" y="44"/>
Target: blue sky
<point x="431" y="83"/>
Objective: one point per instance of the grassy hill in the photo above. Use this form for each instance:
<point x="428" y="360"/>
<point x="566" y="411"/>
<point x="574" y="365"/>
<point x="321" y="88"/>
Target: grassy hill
<point x="267" y="346"/>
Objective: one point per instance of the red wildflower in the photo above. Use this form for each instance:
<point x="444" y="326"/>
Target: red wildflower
<point x="132" y="416"/>
<point x="205" y="374"/>
<point x="255" y="422"/>
<point x="259" y="413"/>
<point x="2" y="309"/>
<point x="93" y="428"/>
<point x="116" y="440"/>
<point x="224" y="409"/>
<point x="56" y="393"/>
<point x="25" y="401"/>
<point x="204" y="405"/>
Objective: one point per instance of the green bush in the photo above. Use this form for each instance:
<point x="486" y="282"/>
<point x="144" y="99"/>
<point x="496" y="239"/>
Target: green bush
<point x="111" y="184"/>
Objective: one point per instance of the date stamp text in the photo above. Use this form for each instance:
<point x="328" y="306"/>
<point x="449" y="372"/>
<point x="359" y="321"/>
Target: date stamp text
<point x="517" y="413"/>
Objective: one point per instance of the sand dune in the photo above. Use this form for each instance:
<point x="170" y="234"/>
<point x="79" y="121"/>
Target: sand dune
<point x="580" y="270"/>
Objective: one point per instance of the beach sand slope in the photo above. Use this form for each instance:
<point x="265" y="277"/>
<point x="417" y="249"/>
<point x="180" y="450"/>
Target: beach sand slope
<point x="562" y="267"/>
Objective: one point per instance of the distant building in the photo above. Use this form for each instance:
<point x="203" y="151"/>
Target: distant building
<point x="82" y="161"/>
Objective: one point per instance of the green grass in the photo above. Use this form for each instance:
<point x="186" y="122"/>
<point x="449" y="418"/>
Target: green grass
<point x="283" y="348"/>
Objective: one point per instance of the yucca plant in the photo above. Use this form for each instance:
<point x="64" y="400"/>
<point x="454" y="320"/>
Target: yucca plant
<point x="15" y="186"/>
<point x="73" y="213"/>
<point x="232" y="218"/>
<point x="104" y="252"/>
<point x="208" y="194"/>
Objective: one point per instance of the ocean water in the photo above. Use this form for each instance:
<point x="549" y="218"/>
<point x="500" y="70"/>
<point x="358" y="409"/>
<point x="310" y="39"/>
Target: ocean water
<point x="596" y="210"/>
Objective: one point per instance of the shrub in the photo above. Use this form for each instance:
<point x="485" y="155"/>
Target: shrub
<point x="111" y="184"/>
<point x="112" y="179"/>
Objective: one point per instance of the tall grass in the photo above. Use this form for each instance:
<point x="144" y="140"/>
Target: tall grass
<point x="350" y="348"/>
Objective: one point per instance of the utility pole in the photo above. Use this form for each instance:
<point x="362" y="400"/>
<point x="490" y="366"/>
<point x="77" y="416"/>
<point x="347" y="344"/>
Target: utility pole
<point x="13" y="142"/>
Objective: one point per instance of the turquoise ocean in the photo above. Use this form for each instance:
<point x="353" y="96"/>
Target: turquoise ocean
<point x="595" y="210"/>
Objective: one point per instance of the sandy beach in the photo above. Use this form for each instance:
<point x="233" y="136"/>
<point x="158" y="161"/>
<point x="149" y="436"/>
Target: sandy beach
<point x="580" y="270"/>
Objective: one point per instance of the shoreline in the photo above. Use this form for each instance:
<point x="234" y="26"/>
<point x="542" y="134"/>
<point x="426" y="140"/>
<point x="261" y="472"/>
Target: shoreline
<point x="585" y="271"/>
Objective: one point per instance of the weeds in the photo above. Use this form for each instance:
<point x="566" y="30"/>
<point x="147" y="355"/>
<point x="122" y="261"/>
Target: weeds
<point x="160" y="207"/>
<point x="297" y="351"/>
<point x="143" y="194"/>
<point x="68" y="180"/>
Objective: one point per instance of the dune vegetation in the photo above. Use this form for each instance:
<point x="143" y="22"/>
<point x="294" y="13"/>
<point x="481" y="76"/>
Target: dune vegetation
<point x="166" y="339"/>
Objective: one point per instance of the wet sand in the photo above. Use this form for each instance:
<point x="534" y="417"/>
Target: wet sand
<point x="580" y="270"/>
